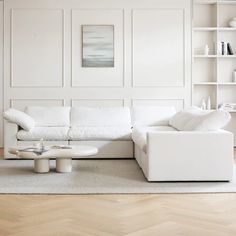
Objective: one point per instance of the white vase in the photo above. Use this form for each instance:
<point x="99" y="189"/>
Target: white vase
<point x="232" y="22"/>
<point x="203" y="105"/>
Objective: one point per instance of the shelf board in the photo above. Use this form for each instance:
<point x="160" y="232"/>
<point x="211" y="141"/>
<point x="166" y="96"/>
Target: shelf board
<point x="226" y="28"/>
<point x="215" y="83"/>
<point x="226" y="56"/>
<point x="204" y="56"/>
<point x="227" y="84"/>
<point x="205" y="83"/>
<point x="206" y="29"/>
<point x="215" y="56"/>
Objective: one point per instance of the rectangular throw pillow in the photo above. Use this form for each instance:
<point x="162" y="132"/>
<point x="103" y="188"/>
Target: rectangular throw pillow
<point x="200" y="120"/>
<point x="20" y="118"/>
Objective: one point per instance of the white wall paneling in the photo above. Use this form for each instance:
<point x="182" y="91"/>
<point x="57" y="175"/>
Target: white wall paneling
<point x="22" y="103"/>
<point x="177" y="103"/>
<point x="158" y="47"/>
<point x="37" y="47"/>
<point x="42" y="53"/>
<point x="98" y="102"/>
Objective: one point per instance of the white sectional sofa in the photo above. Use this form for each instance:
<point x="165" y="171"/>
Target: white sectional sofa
<point x="163" y="153"/>
<point x="109" y="129"/>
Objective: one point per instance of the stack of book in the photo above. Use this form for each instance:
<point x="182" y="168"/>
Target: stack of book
<point x="224" y="48"/>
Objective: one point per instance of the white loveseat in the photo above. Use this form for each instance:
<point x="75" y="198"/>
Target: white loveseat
<point x="163" y="153"/>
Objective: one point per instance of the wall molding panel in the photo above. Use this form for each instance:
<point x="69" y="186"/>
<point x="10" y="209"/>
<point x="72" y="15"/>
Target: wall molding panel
<point x="97" y="102"/>
<point x="42" y="53"/>
<point x="155" y="53"/>
<point x="98" y="77"/>
<point x="22" y="103"/>
<point x="177" y="103"/>
<point x="25" y="26"/>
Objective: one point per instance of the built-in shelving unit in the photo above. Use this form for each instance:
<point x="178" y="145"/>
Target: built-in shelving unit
<point x="212" y="74"/>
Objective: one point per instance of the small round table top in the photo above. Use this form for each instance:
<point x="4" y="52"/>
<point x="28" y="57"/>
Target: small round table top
<point x="54" y="152"/>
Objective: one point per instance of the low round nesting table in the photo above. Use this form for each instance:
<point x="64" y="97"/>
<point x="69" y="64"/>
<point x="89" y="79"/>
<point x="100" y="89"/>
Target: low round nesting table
<point x="63" y="156"/>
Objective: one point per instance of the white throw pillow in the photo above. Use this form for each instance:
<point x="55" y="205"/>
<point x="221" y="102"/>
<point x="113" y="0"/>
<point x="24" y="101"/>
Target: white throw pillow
<point x="200" y="120"/>
<point x="20" y="118"/>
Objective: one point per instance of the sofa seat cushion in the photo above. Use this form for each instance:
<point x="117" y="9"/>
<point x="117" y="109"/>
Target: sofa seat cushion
<point x="139" y="134"/>
<point x="47" y="133"/>
<point x="100" y="133"/>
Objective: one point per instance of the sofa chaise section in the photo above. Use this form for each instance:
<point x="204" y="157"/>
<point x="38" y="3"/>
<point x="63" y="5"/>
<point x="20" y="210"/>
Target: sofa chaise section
<point x="166" y="154"/>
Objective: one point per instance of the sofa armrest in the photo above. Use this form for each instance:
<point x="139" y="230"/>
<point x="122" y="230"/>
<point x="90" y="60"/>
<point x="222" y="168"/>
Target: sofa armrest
<point x="10" y="139"/>
<point x="207" y="155"/>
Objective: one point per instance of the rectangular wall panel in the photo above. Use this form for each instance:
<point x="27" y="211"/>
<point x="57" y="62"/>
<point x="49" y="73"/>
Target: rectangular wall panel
<point x="177" y="103"/>
<point x="36" y="47"/>
<point x="98" y="102"/>
<point x="22" y="103"/>
<point x="92" y="76"/>
<point x="158" y="47"/>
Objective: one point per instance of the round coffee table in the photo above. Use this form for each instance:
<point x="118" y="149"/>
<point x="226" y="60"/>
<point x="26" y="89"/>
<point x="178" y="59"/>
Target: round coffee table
<point x="63" y="156"/>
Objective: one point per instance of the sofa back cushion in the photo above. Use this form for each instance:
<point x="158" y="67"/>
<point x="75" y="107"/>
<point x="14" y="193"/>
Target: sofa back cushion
<point x="49" y="116"/>
<point x="100" y="116"/>
<point x="200" y="120"/>
<point x="151" y="115"/>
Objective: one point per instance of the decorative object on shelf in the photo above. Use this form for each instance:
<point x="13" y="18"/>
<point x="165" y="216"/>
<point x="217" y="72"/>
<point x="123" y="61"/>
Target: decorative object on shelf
<point x="206" y="50"/>
<point x="229" y="49"/>
<point x="227" y="106"/>
<point x="234" y="76"/>
<point x="224" y="48"/>
<point x="98" y="46"/>
<point x="209" y="103"/>
<point x="232" y="22"/>
<point x="203" y="105"/>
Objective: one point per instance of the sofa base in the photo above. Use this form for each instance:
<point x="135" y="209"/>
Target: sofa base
<point x="187" y="156"/>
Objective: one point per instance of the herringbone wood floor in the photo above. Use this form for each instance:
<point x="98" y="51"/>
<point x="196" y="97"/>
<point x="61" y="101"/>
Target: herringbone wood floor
<point x="115" y="215"/>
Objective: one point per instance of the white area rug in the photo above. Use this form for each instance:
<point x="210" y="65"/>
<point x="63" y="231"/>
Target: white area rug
<point x="95" y="177"/>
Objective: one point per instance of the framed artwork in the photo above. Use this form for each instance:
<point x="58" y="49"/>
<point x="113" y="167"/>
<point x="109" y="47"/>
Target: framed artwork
<point x="97" y="45"/>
